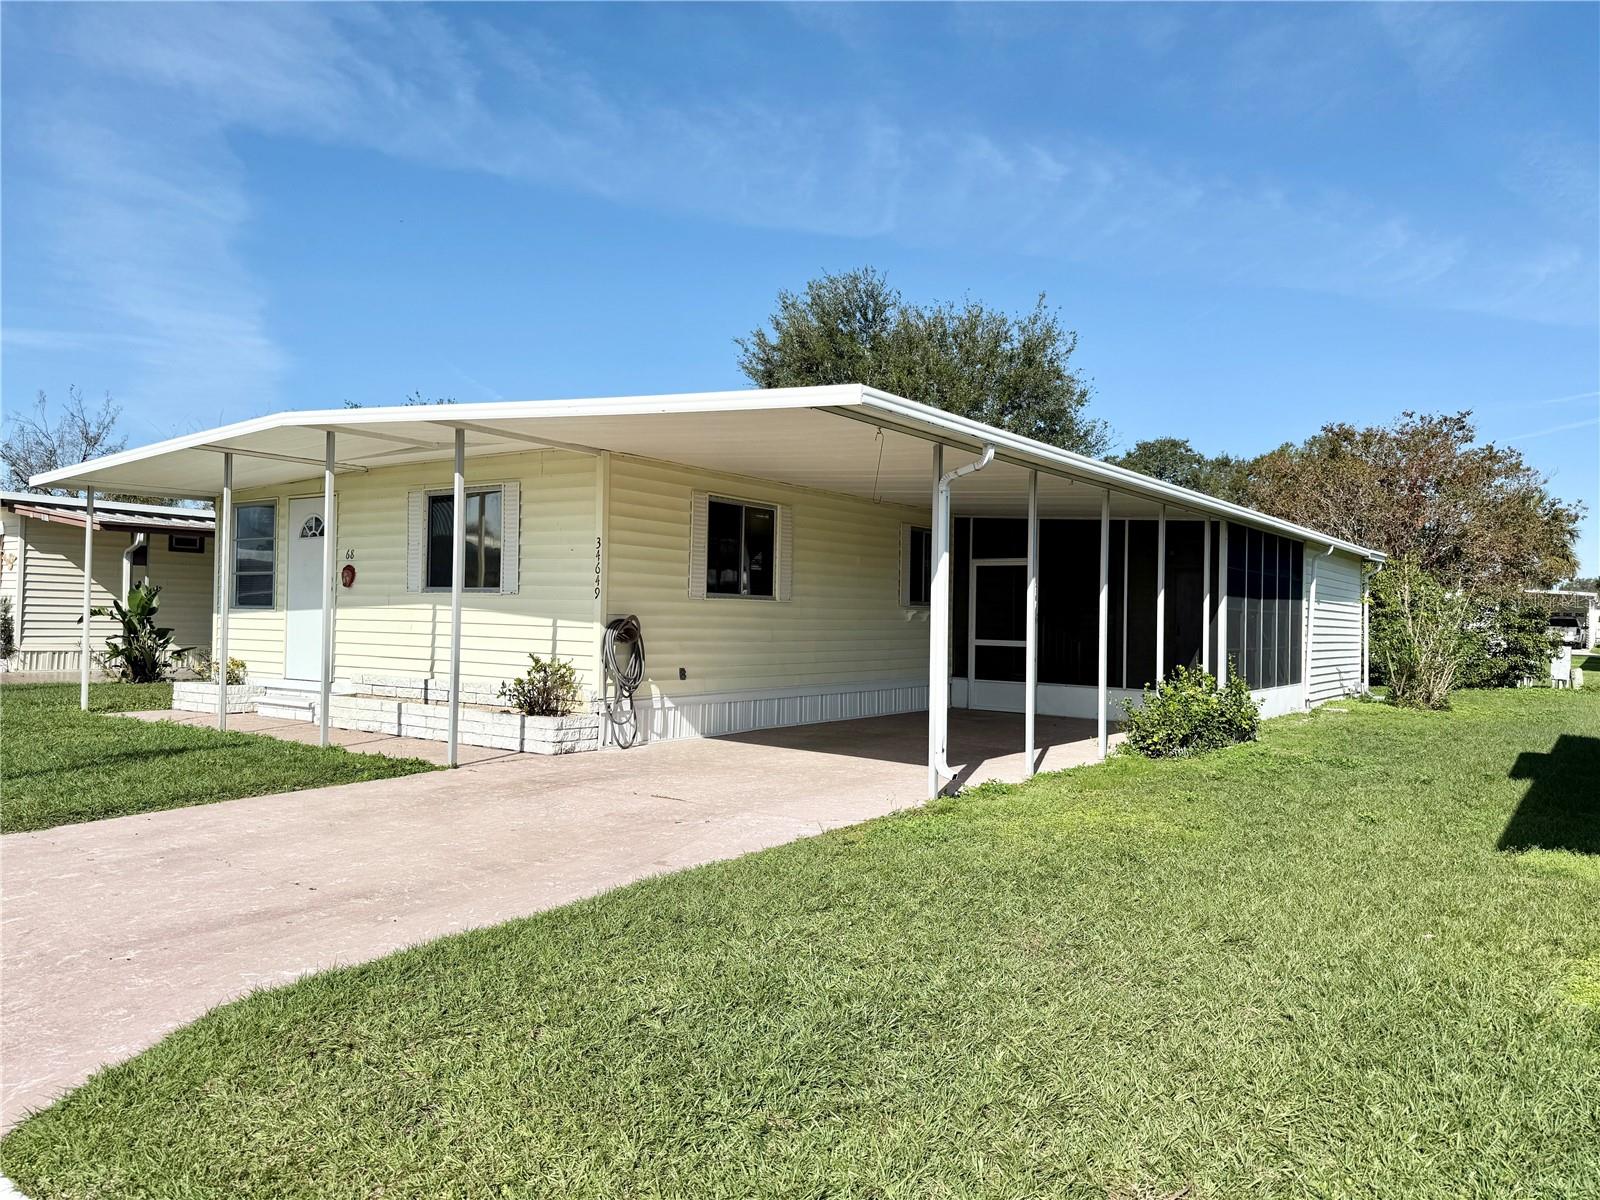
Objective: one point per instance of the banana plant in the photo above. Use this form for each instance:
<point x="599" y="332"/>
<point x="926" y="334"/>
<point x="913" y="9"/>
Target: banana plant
<point x="143" y="653"/>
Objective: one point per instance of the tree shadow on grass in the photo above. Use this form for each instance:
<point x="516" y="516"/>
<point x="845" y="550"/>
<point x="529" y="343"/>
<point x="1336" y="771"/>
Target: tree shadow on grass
<point x="1561" y="808"/>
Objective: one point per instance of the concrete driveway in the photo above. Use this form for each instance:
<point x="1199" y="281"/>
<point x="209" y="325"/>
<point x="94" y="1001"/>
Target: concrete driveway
<point x="115" y="932"/>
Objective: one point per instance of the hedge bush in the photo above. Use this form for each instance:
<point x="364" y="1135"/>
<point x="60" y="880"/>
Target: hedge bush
<point x="1190" y="714"/>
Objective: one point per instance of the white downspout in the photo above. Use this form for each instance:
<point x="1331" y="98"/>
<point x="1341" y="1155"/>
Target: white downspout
<point x="224" y="553"/>
<point x="939" y="622"/>
<point x="139" y="539"/>
<point x="330" y="549"/>
<point x="1030" y="671"/>
<point x="1161" y="597"/>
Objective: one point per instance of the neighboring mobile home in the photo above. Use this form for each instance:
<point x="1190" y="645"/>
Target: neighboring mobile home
<point x="792" y="557"/>
<point x="41" y="572"/>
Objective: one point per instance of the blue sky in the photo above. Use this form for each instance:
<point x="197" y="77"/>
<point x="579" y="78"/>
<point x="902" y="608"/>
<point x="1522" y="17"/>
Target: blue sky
<point x="1258" y="219"/>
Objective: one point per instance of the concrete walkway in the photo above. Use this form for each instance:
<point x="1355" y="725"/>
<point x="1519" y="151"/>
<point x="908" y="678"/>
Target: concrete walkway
<point x="115" y="932"/>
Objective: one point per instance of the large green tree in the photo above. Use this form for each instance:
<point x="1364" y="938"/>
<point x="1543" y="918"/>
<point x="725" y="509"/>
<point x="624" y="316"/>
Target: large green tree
<point x="1176" y="461"/>
<point x="1476" y="517"/>
<point x="1009" y="371"/>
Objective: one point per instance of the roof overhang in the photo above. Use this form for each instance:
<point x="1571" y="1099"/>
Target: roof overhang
<point x="844" y="439"/>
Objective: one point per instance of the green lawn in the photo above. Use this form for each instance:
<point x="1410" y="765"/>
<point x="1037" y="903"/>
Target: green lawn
<point x="1358" y="959"/>
<point x="60" y="765"/>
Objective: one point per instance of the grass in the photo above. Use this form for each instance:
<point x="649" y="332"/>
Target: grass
<point x="1358" y="958"/>
<point x="60" y="765"/>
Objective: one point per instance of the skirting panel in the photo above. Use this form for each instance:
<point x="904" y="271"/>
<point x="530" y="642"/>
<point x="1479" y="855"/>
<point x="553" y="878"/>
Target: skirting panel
<point x="666" y="717"/>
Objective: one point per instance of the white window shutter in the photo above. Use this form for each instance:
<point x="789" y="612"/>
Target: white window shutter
<point x="697" y="547"/>
<point x="416" y="532"/>
<point x="785" y="552"/>
<point x="510" y="536"/>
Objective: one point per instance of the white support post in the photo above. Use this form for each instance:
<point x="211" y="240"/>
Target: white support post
<point x="1127" y="543"/>
<point x="1161" y="597"/>
<point x="329" y="550"/>
<point x="1222" y="603"/>
<point x="458" y="571"/>
<point x="1105" y="620"/>
<point x="1205" y="599"/>
<point x="1030" y="703"/>
<point x="225" y="553"/>
<point x="88" y="595"/>
<point x="1311" y="625"/>
<point x="938" y="630"/>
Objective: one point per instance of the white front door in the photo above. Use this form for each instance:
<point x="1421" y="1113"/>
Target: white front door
<point x="302" y="651"/>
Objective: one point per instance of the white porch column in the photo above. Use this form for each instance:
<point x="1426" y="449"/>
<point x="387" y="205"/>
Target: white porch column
<point x="1105" y="619"/>
<point x="1222" y="603"/>
<point x="329" y="550"/>
<point x="938" y="630"/>
<point x="1127" y="543"/>
<point x="1161" y="597"/>
<point x="1030" y="702"/>
<point x="88" y="595"/>
<point x="225" y="565"/>
<point x="458" y="570"/>
<point x="1205" y="599"/>
<point x="1311" y="624"/>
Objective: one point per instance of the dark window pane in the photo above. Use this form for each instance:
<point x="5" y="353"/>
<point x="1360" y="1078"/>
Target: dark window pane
<point x="1001" y="604"/>
<point x="961" y="564"/>
<point x="253" y="555"/>
<point x="920" y="567"/>
<point x="724" y="534"/>
<point x="760" y="525"/>
<point x="1285" y="613"/>
<point x="1297" y="554"/>
<point x="482" y="537"/>
<point x="254" y="520"/>
<point x="1003" y="663"/>
<point x="441" y="522"/>
<point x="1269" y="610"/>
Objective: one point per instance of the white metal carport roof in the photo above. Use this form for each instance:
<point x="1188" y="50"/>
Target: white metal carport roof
<point x="846" y="439"/>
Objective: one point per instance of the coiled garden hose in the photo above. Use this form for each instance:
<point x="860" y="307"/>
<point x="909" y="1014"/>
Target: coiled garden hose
<point x="624" y="637"/>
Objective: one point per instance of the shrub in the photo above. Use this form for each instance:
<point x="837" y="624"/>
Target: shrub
<point x="203" y="665"/>
<point x="143" y="652"/>
<point x="8" y="629"/>
<point x="1506" y="644"/>
<point x="1190" y="714"/>
<point x="1419" y="635"/>
<point x="549" y="689"/>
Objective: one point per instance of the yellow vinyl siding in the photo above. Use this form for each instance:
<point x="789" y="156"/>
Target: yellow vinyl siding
<point x="844" y="624"/>
<point x="52" y="583"/>
<point x="186" y="586"/>
<point x="383" y="629"/>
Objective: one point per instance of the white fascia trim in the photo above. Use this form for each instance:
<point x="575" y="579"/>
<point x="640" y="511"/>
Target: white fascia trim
<point x="102" y="507"/>
<point x="352" y="420"/>
<point x="1022" y="451"/>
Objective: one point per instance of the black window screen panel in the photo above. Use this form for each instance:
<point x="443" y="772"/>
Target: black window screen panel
<point x="1141" y="642"/>
<point x="1238" y="578"/>
<point x="961" y="562"/>
<point x="1185" y="593"/>
<point x="1267" y="650"/>
<point x="1069" y="601"/>
<point x="724" y="548"/>
<point x="1114" y="623"/>
<point x="1297" y="631"/>
<point x="999" y="537"/>
<point x="1003" y="664"/>
<point x="1000" y="614"/>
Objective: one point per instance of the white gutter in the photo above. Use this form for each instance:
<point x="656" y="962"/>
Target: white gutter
<point x="1031" y="455"/>
<point x="939" y="622"/>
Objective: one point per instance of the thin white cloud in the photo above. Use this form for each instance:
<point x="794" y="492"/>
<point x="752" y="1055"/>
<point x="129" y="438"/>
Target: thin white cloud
<point x="144" y="201"/>
<point x="1587" y="423"/>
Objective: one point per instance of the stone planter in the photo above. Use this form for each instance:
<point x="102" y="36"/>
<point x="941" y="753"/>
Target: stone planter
<point x="480" y="726"/>
<point x="198" y="695"/>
